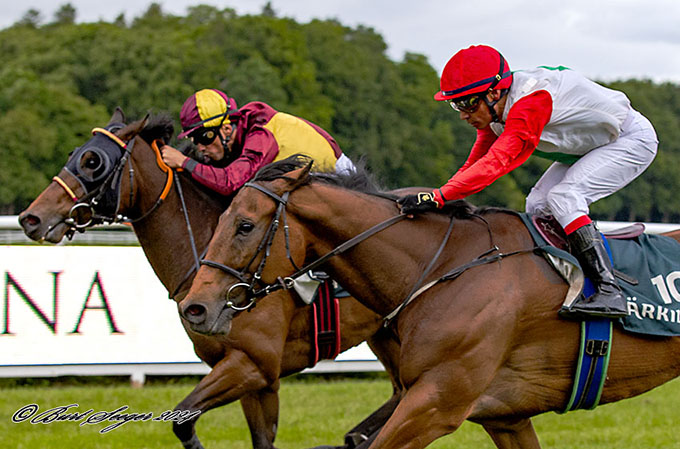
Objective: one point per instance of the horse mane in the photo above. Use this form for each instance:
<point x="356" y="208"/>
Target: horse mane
<point x="160" y="126"/>
<point x="359" y="180"/>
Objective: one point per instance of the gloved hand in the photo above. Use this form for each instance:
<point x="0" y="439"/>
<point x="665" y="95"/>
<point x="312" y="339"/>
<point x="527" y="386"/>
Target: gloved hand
<point x="418" y="203"/>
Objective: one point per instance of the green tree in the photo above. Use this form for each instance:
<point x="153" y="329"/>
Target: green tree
<point x="41" y="123"/>
<point x="65" y="15"/>
<point x="31" y="18"/>
<point x="57" y="82"/>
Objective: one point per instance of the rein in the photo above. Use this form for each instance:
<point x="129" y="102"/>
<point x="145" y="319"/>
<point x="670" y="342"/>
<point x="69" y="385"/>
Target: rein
<point x="164" y="193"/>
<point x="482" y="259"/>
<point x="287" y="282"/>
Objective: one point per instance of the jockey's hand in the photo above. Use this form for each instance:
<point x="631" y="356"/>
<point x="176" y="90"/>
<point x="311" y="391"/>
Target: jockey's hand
<point x="418" y="203"/>
<point x="172" y="157"/>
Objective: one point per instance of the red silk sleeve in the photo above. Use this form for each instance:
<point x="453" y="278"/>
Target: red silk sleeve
<point x="485" y="138"/>
<point x="523" y="128"/>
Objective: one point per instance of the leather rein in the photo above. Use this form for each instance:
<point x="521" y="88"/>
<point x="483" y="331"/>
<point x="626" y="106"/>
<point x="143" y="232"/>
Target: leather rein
<point x="253" y="293"/>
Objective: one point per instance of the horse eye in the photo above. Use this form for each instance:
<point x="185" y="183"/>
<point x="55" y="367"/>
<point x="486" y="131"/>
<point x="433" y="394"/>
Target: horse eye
<point x="90" y="161"/>
<point x="245" y="228"/>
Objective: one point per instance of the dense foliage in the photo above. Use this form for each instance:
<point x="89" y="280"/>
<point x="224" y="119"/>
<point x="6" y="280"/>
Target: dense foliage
<point x="60" y="79"/>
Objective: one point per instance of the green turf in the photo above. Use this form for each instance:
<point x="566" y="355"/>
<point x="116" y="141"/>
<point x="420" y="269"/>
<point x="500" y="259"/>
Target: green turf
<point x="314" y="411"/>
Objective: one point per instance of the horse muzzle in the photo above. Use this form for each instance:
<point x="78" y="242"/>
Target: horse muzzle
<point x="40" y="230"/>
<point x="207" y="318"/>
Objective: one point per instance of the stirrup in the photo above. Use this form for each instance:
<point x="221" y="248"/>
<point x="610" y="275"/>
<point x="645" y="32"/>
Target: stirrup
<point x="580" y="309"/>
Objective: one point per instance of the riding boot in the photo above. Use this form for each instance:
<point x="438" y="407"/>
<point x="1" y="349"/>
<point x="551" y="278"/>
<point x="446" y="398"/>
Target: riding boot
<point x="608" y="300"/>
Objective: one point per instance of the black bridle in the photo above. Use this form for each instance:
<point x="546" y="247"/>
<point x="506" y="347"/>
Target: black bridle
<point x="102" y="200"/>
<point x="101" y="186"/>
<point x="107" y="187"/>
<point x="254" y="285"/>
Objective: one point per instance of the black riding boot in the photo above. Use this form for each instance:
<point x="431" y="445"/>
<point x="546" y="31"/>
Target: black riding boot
<point x="608" y="300"/>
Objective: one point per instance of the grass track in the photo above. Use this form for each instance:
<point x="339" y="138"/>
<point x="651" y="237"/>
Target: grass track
<point x="316" y="411"/>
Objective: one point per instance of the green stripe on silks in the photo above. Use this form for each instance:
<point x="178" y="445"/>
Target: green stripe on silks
<point x="593" y="361"/>
<point x="558" y="157"/>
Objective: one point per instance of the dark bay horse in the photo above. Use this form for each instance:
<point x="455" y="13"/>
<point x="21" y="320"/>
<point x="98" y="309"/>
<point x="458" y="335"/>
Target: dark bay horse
<point x="272" y="341"/>
<point x="487" y="347"/>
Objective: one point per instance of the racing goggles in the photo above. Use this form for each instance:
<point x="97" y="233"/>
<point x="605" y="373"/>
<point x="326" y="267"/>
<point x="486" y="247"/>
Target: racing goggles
<point x="468" y="104"/>
<point x="204" y="136"/>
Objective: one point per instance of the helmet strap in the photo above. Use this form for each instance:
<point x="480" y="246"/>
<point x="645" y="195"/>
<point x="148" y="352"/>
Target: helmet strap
<point x="491" y="104"/>
<point x="225" y="141"/>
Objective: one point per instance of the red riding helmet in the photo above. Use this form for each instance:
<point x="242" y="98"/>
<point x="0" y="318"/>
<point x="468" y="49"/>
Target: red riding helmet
<point x="206" y="108"/>
<point x="474" y="70"/>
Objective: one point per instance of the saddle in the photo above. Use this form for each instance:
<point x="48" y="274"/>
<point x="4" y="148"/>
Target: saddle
<point x="553" y="233"/>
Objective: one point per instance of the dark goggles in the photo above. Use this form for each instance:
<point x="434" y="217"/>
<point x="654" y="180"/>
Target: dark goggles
<point x="204" y="136"/>
<point x="468" y="104"/>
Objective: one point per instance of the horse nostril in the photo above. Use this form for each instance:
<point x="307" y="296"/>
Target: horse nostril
<point x="195" y="313"/>
<point x="29" y="221"/>
<point x="195" y="310"/>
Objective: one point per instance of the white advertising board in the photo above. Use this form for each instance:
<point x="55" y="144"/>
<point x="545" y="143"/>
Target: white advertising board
<point x="86" y="304"/>
<point x="93" y="310"/>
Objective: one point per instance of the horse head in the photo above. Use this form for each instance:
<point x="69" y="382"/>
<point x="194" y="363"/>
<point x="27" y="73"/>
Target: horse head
<point x="88" y="189"/>
<point x="222" y="289"/>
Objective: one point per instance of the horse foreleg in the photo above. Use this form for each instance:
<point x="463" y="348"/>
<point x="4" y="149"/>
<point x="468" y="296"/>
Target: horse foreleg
<point x="261" y="409"/>
<point x="230" y="379"/>
<point x="513" y="435"/>
<point x="361" y="433"/>
<point x="424" y="414"/>
<point x="387" y="350"/>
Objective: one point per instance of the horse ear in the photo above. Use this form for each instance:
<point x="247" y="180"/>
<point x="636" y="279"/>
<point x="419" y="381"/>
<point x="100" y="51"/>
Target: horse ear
<point x="118" y="116"/>
<point x="139" y="125"/>
<point x="298" y="177"/>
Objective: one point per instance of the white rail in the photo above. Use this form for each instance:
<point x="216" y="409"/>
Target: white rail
<point x="359" y="359"/>
<point x="12" y="234"/>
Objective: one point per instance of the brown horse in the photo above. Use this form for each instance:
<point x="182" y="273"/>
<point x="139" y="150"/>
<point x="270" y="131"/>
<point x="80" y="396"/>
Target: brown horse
<point x="487" y="347"/>
<point x="245" y="366"/>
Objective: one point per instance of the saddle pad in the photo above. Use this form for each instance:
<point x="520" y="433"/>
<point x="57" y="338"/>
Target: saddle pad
<point x="654" y="303"/>
<point x="652" y="264"/>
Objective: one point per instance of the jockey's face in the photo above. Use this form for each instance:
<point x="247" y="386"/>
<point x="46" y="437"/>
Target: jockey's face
<point x="481" y="118"/>
<point x="215" y="150"/>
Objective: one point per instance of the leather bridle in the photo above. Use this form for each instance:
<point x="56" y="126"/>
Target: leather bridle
<point x="255" y="288"/>
<point x="101" y="202"/>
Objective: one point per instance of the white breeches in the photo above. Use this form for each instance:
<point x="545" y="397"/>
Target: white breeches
<point x="344" y="165"/>
<point x="566" y="191"/>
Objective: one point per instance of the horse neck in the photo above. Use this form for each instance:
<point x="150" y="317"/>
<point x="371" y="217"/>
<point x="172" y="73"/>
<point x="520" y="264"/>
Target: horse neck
<point x="382" y="270"/>
<point x="332" y="216"/>
<point x="163" y="234"/>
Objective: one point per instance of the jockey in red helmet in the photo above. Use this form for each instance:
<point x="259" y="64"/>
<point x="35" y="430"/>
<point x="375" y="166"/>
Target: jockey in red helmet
<point x="236" y="143"/>
<point x="597" y="141"/>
